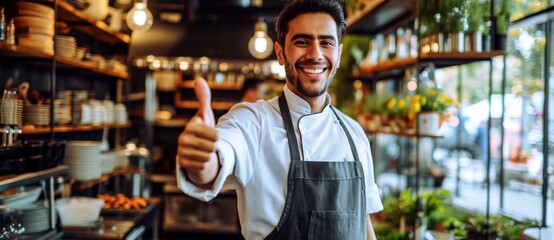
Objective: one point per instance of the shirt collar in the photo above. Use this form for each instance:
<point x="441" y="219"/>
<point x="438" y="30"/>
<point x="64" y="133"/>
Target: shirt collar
<point x="299" y="105"/>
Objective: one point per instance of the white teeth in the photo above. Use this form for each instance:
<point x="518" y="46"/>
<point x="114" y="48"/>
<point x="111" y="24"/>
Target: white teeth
<point x="313" y="71"/>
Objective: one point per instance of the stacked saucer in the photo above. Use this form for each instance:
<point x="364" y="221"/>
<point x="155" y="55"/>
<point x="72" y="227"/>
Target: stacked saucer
<point x="34" y="218"/>
<point x="34" y="24"/>
<point x="66" y="46"/>
<point x="84" y="160"/>
<point x="37" y="115"/>
<point x="11" y="112"/>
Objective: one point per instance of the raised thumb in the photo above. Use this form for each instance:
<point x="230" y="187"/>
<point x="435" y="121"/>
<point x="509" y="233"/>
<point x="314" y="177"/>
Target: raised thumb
<point x="204" y="96"/>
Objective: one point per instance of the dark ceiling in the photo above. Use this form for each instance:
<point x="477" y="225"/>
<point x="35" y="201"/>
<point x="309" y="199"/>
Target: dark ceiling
<point x="212" y="28"/>
<point x="220" y="10"/>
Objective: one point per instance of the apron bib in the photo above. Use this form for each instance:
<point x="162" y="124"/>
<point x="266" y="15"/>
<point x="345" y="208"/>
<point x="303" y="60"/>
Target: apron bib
<point x="325" y="200"/>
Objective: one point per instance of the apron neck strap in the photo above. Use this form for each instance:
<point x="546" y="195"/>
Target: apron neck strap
<point x="350" y="141"/>
<point x="285" y="114"/>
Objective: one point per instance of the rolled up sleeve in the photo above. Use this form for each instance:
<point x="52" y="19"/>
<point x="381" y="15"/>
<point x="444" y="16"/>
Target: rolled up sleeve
<point x="373" y="200"/>
<point x="227" y="163"/>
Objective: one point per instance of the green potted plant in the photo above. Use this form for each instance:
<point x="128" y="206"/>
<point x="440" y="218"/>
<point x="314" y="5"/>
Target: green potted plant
<point x="374" y="109"/>
<point x="475" y="12"/>
<point x="502" y="22"/>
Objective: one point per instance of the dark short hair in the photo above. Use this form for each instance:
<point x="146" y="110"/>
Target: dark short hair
<point x="250" y="83"/>
<point x="332" y="7"/>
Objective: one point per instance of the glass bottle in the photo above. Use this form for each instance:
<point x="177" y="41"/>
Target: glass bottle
<point x="10" y="32"/>
<point x="2" y="25"/>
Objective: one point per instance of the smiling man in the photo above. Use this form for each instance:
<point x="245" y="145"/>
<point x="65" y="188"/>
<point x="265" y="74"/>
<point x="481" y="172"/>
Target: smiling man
<point x="301" y="168"/>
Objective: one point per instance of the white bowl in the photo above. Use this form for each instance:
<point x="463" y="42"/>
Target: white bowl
<point x="21" y="199"/>
<point x="79" y="211"/>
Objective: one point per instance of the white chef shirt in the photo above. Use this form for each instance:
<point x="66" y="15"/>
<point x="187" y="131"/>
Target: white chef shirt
<point x="254" y="157"/>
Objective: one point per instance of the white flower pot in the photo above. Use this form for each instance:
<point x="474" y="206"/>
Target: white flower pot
<point x="429" y="123"/>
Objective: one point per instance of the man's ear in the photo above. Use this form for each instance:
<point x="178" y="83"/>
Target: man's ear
<point x="279" y="53"/>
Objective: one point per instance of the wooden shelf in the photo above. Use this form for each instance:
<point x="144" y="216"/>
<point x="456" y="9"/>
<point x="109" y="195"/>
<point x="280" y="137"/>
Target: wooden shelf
<point x="7" y="182"/>
<point x="84" y="23"/>
<point x="440" y="60"/>
<point x="367" y="71"/>
<point x="408" y="135"/>
<point x="14" y="51"/>
<point x="195" y="104"/>
<point x="461" y="56"/>
<point x="171" y="123"/>
<point x="380" y="14"/>
<point x="213" y="86"/>
<point x="66" y="129"/>
<point x="104" y="178"/>
<point x="67" y="62"/>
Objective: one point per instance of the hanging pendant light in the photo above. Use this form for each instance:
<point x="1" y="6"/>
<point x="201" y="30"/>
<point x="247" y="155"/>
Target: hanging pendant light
<point x="260" y="45"/>
<point x="139" y="18"/>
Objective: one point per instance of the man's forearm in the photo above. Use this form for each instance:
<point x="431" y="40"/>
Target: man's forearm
<point x="206" y="177"/>
<point x="370" y="232"/>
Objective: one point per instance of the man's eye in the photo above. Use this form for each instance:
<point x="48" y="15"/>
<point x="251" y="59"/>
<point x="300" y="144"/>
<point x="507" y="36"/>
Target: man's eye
<point x="302" y="43"/>
<point x="327" y="43"/>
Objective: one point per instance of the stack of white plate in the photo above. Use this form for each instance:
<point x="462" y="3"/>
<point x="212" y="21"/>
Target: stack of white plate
<point x="115" y="65"/>
<point x="37" y="115"/>
<point x="34" y="24"/>
<point x="34" y="218"/>
<point x="120" y="112"/>
<point x="83" y="159"/>
<point x="66" y="46"/>
<point x="99" y="60"/>
<point x="62" y="114"/>
<point x="86" y="114"/>
<point x="98" y="112"/>
<point x="107" y="162"/>
<point x="63" y="107"/>
<point x="80" y="97"/>
<point x="80" y="52"/>
<point x="110" y="111"/>
<point x="11" y="112"/>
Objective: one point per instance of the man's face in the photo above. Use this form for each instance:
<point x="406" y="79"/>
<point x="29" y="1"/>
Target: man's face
<point x="311" y="54"/>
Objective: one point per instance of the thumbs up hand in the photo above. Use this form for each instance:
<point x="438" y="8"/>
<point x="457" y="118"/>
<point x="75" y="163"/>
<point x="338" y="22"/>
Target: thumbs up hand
<point x="204" y="95"/>
<point x="196" y="144"/>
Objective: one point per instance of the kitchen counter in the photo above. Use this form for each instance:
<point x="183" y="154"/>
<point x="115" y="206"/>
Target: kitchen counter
<point x="120" y="224"/>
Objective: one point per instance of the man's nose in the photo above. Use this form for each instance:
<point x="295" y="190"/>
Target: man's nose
<point x="315" y="53"/>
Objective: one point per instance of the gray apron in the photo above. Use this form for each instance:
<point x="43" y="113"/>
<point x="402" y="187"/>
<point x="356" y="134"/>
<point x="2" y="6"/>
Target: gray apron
<point x="325" y="200"/>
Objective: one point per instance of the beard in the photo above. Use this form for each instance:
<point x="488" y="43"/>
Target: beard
<point x="292" y="77"/>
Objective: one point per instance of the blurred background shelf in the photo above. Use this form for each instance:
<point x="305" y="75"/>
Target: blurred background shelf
<point x="65" y="129"/>
<point x="195" y="105"/>
<point x="82" y="22"/>
<point x="66" y="62"/>
<point x="14" y="51"/>
<point x="8" y="182"/>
